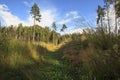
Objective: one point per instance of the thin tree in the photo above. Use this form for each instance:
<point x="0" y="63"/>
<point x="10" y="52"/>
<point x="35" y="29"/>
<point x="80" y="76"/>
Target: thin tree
<point x="117" y="12"/>
<point x="54" y="29"/>
<point x="35" y="12"/>
<point x="54" y="26"/>
<point x="63" y="28"/>
<point x="0" y="23"/>
<point x="101" y="13"/>
<point x="117" y="7"/>
<point x="20" y="30"/>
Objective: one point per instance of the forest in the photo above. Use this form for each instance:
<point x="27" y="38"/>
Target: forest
<point x="41" y="53"/>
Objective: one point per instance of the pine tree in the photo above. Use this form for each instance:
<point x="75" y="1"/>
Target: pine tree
<point x="35" y="12"/>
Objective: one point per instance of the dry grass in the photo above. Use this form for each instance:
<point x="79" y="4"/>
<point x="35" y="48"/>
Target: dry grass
<point x="48" y="46"/>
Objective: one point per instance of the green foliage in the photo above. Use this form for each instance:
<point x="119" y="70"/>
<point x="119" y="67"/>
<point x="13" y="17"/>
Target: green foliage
<point x="92" y="55"/>
<point x="54" y="26"/>
<point x="25" y="33"/>
<point x="96" y="57"/>
<point x="87" y="56"/>
<point x="4" y="41"/>
<point x="117" y="7"/>
<point x="101" y="13"/>
<point x="35" y="11"/>
<point x="63" y="28"/>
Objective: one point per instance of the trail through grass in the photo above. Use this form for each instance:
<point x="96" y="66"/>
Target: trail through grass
<point x="48" y="67"/>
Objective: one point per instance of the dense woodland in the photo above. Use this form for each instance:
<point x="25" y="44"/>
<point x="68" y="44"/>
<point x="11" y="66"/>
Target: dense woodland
<point x="41" y="53"/>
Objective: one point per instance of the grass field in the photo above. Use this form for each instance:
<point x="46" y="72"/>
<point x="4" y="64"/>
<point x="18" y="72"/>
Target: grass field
<point x="37" y="61"/>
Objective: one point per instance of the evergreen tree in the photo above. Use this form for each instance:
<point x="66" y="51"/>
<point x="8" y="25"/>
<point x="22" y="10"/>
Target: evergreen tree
<point x="35" y="11"/>
<point x="63" y="28"/>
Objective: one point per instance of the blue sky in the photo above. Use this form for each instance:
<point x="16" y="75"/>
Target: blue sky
<point x="61" y="11"/>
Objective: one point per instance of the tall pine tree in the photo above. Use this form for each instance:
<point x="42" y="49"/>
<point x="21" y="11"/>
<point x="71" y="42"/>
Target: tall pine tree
<point x="35" y="12"/>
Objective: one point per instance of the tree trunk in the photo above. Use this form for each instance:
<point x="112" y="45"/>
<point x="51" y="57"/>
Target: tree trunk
<point x="115" y="19"/>
<point x="53" y="37"/>
<point x="115" y="24"/>
<point x="101" y="22"/>
<point x="108" y="20"/>
<point x="34" y="31"/>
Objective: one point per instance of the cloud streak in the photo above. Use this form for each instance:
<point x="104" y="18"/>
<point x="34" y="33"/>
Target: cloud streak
<point x="69" y="17"/>
<point x="27" y="4"/>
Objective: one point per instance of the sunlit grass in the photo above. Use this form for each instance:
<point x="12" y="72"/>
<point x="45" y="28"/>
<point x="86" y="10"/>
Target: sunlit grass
<point x="16" y="60"/>
<point x="33" y="53"/>
<point x="48" y="46"/>
<point x="18" y="55"/>
<point x="52" y="61"/>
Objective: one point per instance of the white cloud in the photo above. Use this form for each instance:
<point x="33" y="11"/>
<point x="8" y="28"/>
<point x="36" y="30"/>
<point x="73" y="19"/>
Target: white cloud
<point x="7" y="16"/>
<point x="70" y="16"/>
<point x="79" y="30"/>
<point x="65" y="21"/>
<point x="48" y="16"/>
<point x="27" y="4"/>
<point x="3" y="7"/>
<point x="75" y="29"/>
<point x="73" y="13"/>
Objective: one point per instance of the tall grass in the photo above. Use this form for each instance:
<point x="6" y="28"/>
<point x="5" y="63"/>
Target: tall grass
<point x="96" y="58"/>
<point x="18" y="54"/>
